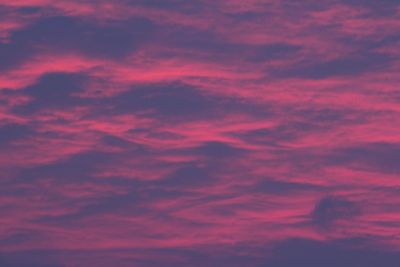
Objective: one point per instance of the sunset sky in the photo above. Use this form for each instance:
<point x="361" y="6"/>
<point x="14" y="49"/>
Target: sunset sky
<point x="199" y="133"/>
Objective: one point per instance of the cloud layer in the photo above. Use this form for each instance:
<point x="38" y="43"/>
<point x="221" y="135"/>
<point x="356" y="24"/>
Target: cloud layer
<point x="199" y="133"/>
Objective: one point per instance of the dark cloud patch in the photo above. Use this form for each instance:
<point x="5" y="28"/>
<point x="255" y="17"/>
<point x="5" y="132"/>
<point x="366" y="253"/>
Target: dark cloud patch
<point x="213" y="256"/>
<point x="274" y="136"/>
<point x="113" y="204"/>
<point x="53" y="91"/>
<point x="305" y="121"/>
<point x="272" y="51"/>
<point x="166" y="257"/>
<point x="172" y="4"/>
<point x="115" y="141"/>
<point x="247" y="15"/>
<point x="29" y="10"/>
<point x="382" y="157"/>
<point x="218" y="150"/>
<point x="163" y="135"/>
<point x="187" y="177"/>
<point x="135" y="201"/>
<point x="372" y="2"/>
<point x="201" y="43"/>
<point x="24" y="264"/>
<point x="325" y="115"/>
<point x="22" y="236"/>
<point x="286" y="253"/>
<point x="380" y="8"/>
<point x="53" y="87"/>
<point x="347" y="66"/>
<point x="14" y="54"/>
<point x="208" y="45"/>
<point x="78" y="167"/>
<point x="177" y="5"/>
<point x="28" y="259"/>
<point x="273" y="186"/>
<point x="137" y="196"/>
<point x="13" y="132"/>
<point x="71" y="34"/>
<point x="168" y="100"/>
<point x="303" y="252"/>
<point x="330" y="210"/>
<point x="376" y="43"/>
<point x="176" y="101"/>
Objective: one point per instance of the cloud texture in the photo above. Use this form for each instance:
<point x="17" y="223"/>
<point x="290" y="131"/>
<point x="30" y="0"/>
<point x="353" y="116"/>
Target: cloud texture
<point x="140" y="133"/>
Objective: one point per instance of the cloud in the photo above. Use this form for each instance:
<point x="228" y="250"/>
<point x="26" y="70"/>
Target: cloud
<point x="330" y="210"/>
<point x="164" y="100"/>
<point x="346" y="66"/>
<point x="273" y="186"/>
<point x="287" y="253"/>
<point x="176" y="101"/>
<point x="51" y="91"/>
<point x="187" y="177"/>
<point x="74" y="35"/>
<point x="199" y="133"/>
<point x="14" y="132"/>
<point x="77" y="167"/>
<point x="302" y="252"/>
<point x="382" y="157"/>
<point x="27" y="259"/>
<point x="218" y="150"/>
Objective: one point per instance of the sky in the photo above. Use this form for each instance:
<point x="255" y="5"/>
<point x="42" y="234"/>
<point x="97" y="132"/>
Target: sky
<point x="201" y="133"/>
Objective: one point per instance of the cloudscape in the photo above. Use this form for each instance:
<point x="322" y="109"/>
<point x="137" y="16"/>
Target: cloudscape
<point x="199" y="133"/>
